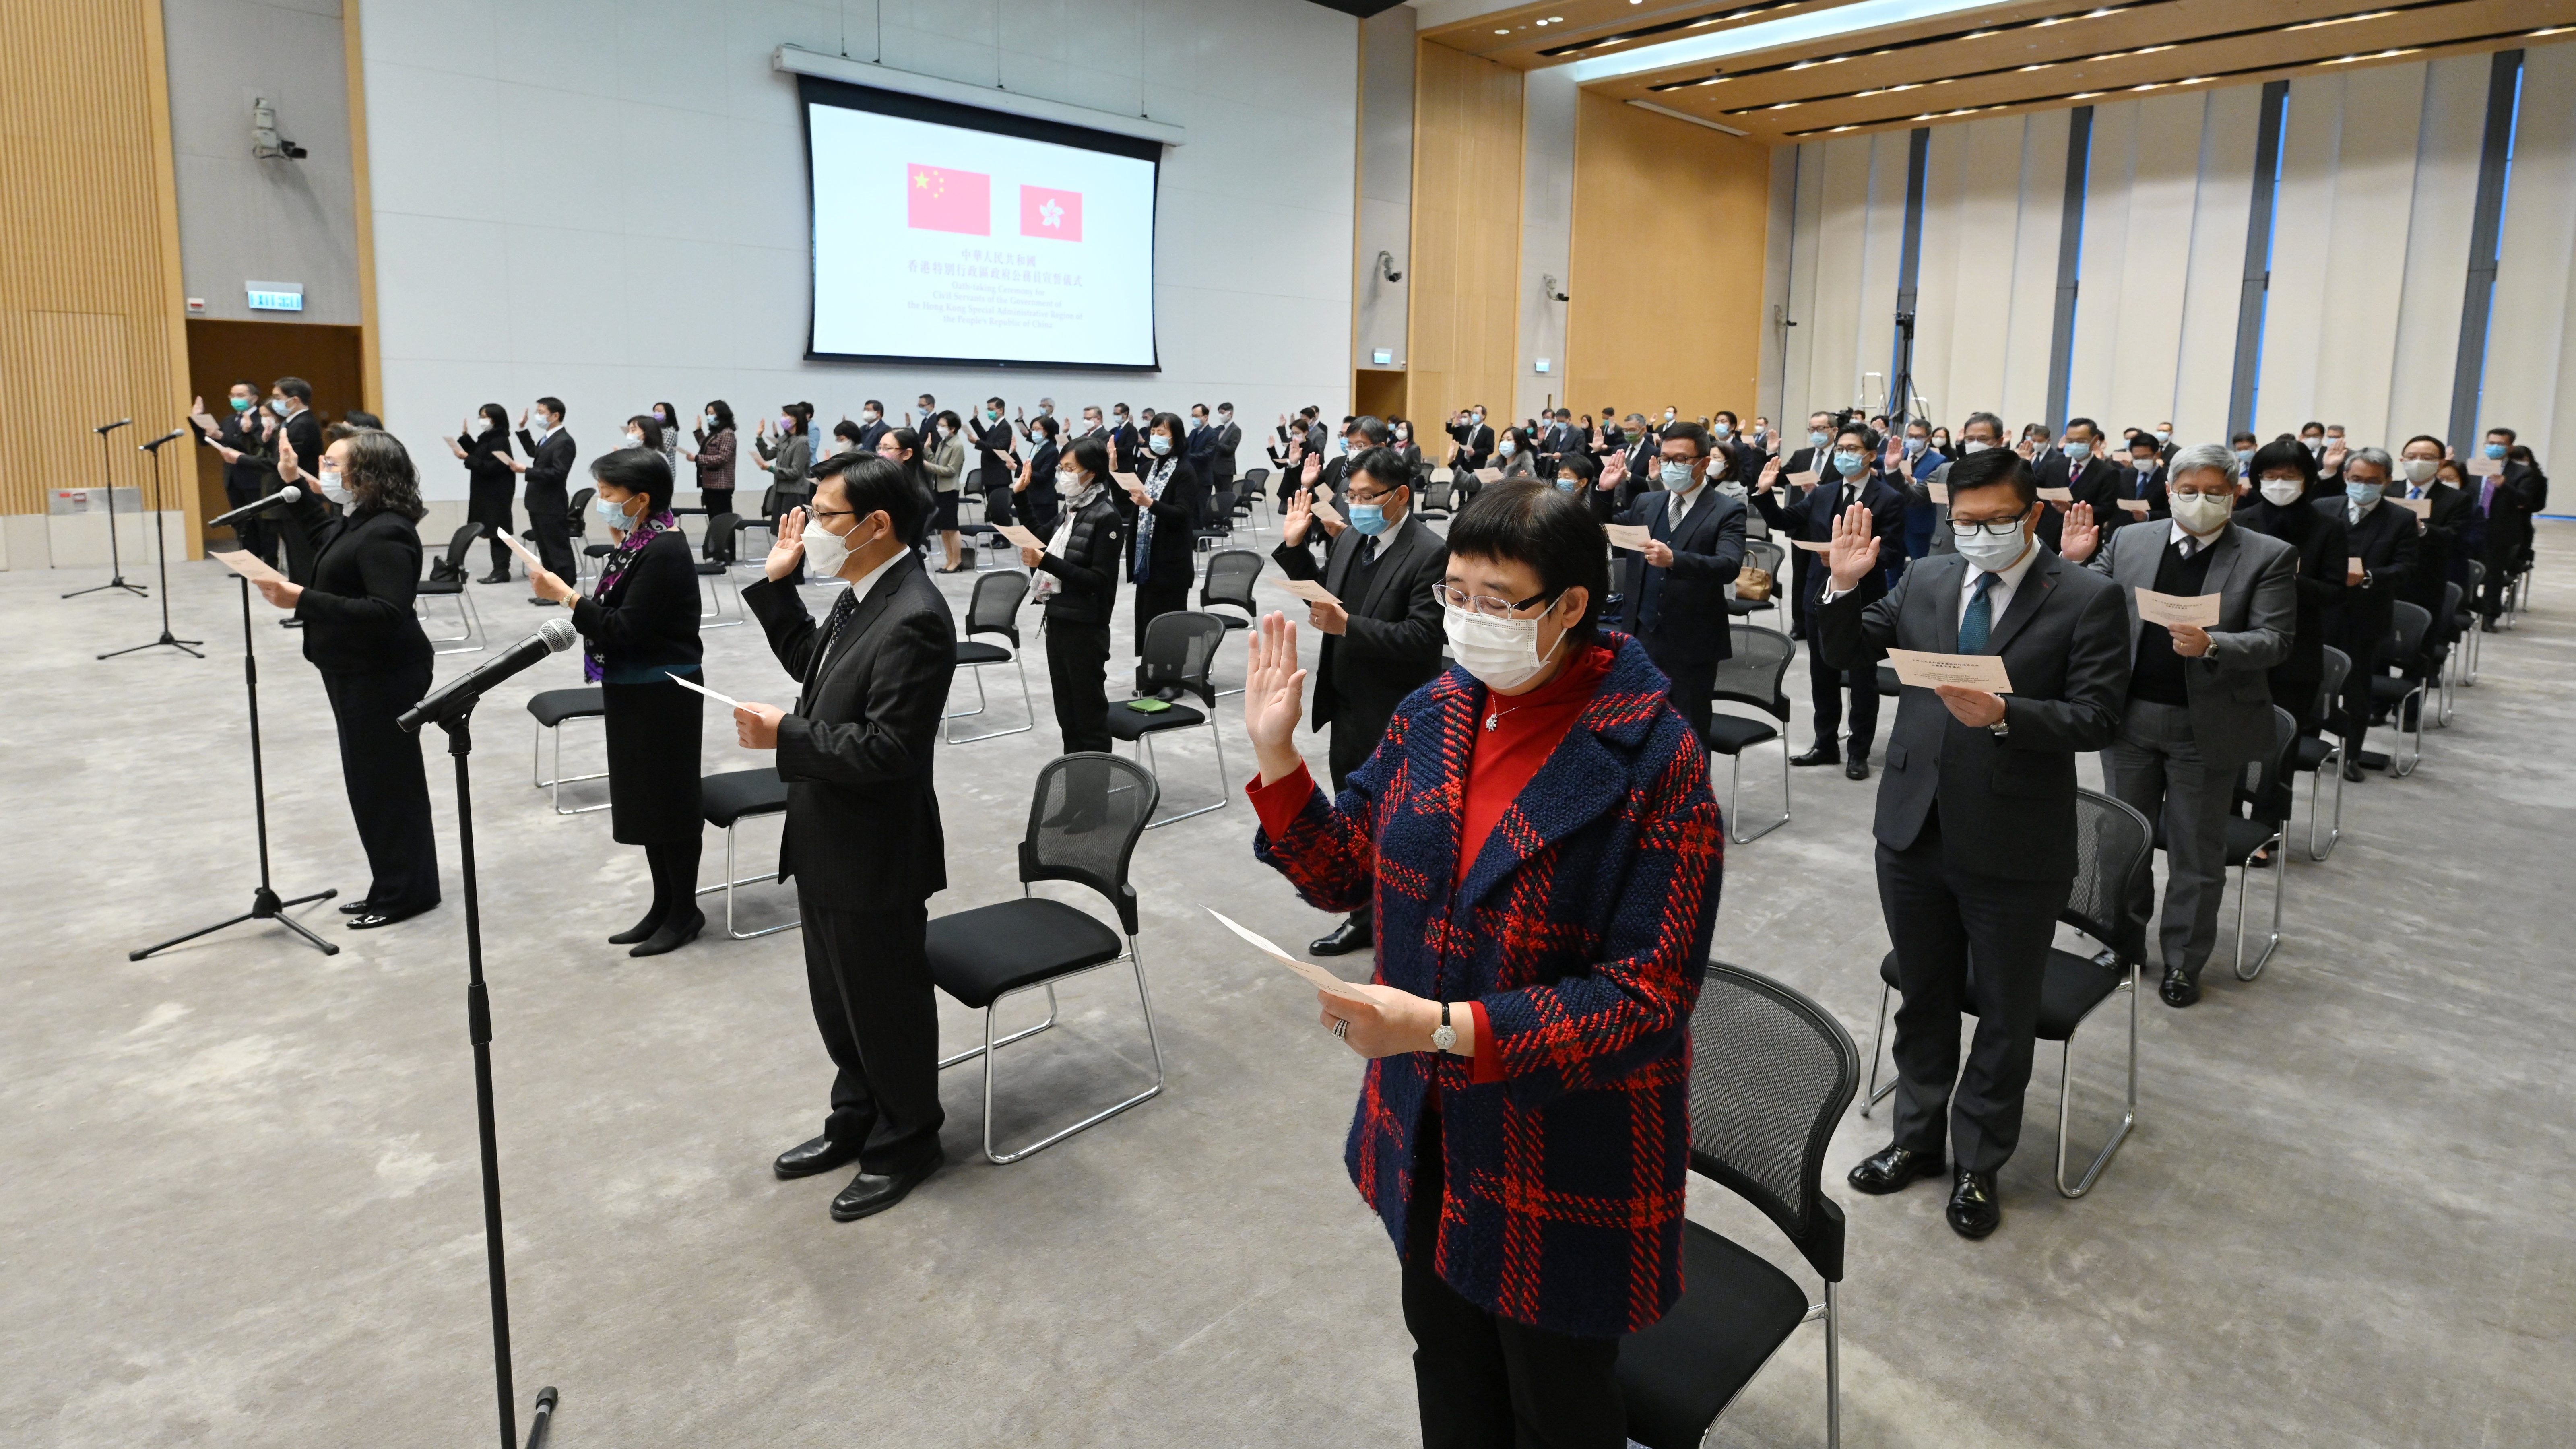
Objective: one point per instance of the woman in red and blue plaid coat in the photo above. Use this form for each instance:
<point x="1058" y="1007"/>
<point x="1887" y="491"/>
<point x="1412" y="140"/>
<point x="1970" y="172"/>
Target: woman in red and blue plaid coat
<point x="1537" y="836"/>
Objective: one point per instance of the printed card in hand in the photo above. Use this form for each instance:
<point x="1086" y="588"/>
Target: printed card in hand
<point x="1630" y="536"/>
<point x="1489" y="475"/>
<point x="1311" y="590"/>
<point x="1811" y="546"/>
<point x="1326" y="512"/>
<point x="250" y="566"/>
<point x="1921" y="669"/>
<point x="1937" y="492"/>
<point x="2138" y="506"/>
<point x="1020" y="537"/>
<point x="2057" y="495"/>
<point x="1307" y="971"/>
<point x="1806" y="479"/>
<point x="2198" y="610"/>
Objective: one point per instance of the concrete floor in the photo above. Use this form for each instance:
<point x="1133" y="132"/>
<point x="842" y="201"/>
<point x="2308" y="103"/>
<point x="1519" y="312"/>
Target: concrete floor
<point x="243" y="1204"/>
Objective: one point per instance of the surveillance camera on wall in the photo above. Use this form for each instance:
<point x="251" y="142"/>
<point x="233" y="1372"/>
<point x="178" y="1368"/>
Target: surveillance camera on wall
<point x="1386" y="267"/>
<point x="265" y="143"/>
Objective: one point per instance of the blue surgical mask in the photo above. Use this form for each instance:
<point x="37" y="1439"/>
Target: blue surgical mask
<point x="1569" y="484"/>
<point x="1676" y="476"/>
<point x="278" y="406"/>
<point x="2244" y="459"/>
<point x="1368" y="517"/>
<point x="2363" y="495"/>
<point x="1850" y="465"/>
<point x="2495" y="450"/>
<point x="1914" y="447"/>
<point x="2078" y="452"/>
<point x="1818" y="440"/>
<point x="1161" y="443"/>
<point x="612" y="514"/>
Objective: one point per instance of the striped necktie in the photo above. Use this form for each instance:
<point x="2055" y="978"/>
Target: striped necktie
<point x="1977" y="622"/>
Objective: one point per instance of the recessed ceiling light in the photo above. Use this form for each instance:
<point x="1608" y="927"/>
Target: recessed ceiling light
<point x="1790" y="30"/>
<point x="1502" y="32"/>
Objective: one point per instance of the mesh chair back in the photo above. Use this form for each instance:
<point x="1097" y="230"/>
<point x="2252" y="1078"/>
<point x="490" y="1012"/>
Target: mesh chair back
<point x="2452" y="597"/>
<point x="1753" y="675"/>
<point x="2477" y="574"/>
<point x="452" y="566"/>
<point x="1179" y="649"/>
<point x="724" y="536"/>
<point x="1084" y="820"/>
<point x="1771" y="1073"/>
<point x="577" y="512"/>
<point x="994" y="607"/>
<point x="1767" y="557"/>
<point x="1229" y="580"/>
<point x="2261" y="790"/>
<point x="2336" y="668"/>
<point x="2410" y="623"/>
<point x="1438" y="496"/>
<point x="1253" y="479"/>
<point x="2112" y="843"/>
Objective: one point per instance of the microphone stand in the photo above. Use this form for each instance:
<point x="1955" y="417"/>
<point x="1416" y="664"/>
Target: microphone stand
<point x="478" y="1030"/>
<point x="161" y="550"/>
<point x="115" y="564"/>
<point x="264" y="904"/>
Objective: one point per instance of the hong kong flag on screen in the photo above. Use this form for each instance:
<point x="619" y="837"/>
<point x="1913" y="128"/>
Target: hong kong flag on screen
<point x="1050" y="213"/>
<point x="945" y="200"/>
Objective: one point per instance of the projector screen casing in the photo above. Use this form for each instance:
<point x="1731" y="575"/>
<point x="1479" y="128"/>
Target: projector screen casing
<point x="813" y="91"/>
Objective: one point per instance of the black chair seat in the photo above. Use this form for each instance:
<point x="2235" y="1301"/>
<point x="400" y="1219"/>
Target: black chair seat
<point x="1887" y="684"/>
<point x="1734" y="1313"/>
<point x="2244" y="837"/>
<point x="553" y="706"/>
<point x="2071" y="986"/>
<point x="1233" y="621"/>
<point x="2390" y="688"/>
<point x="1127" y="724"/>
<point x="2310" y="754"/>
<point x="734" y="794"/>
<point x="439" y="586"/>
<point x="976" y="651"/>
<point x="712" y="568"/>
<point x="979" y="955"/>
<point x="1729" y="733"/>
<point x="599" y="550"/>
<point x="1742" y="607"/>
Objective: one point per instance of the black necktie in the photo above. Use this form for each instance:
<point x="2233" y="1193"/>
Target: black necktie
<point x="842" y="608"/>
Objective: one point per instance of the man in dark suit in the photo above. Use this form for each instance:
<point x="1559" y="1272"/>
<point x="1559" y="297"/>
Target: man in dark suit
<point x="1475" y="439"/>
<point x="550" y="457"/>
<point x="996" y="446"/>
<point x="1849" y="478"/>
<point x="2083" y="469"/>
<point x="1383" y="640"/>
<point x="1122" y="436"/>
<point x="2142" y="481"/>
<point x="1229" y="438"/>
<point x="1976" y="814"/>
<point x="291" y="399"/>
<point x="872" y="425"/>
<point x="2199" y="705"/>
<point x="1675" y="591"/>
<point x="2442" y="532"/>
<point x="1200" y="446"/>
<point x="2380" y="566"/>
<point x="1557" y="439"/>
<point x="2507" y="500"/>
<point x="863" y="840"/>
<point x="242" y="442"/>
<point x="1331" y="472"/>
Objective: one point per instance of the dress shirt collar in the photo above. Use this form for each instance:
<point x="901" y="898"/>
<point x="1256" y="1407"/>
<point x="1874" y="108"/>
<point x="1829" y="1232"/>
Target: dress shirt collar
<point x="859" y="586"/>
<point x="2179" y="534"/>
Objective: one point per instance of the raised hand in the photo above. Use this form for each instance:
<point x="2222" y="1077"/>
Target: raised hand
<point x="1770" y="477"/>
<point x="1314" y="469"/>
<point x="789" y="547"/>
<point x="1855" y="548"/>
<point x="1301" y="516"/>
<point x="523" y="417"/>
<point x="2078" y="535"/>
<point x="1274" y="695"/>
<point x="1614" y="471"/>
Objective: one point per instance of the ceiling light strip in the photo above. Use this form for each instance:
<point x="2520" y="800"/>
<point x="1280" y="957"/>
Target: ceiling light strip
<point x="1692" y="22"/>
<point x="1918" y="43"/>
<point x="1804" y="28"/>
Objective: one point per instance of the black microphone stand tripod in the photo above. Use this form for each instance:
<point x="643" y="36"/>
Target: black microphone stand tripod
<point x="264" y="904"/>
<point x="115" y="564"/>
<point x="458" y="723"/>
<point x="161" y="550"/>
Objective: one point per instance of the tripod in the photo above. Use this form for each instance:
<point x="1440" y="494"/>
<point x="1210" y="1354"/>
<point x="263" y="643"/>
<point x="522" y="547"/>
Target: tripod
<point x="478" y="1030"/>
<point x="264" y="904"/>
<point x="115" y="565"/>
<point x="161" y="550"/>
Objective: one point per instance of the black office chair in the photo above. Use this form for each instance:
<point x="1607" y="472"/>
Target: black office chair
<point x="2322" y="755"/>
<point x="553" y="709"/>
<point x="2441" y="654"/>
<point x="2112" y="842"/>
<point x="1439" y="499"/>
<point x="1084" y="821"/>
<point x="994" y="608"/>
<point x="2469" y="624"/>
<point x="1771" y="1073"/>
<point x="1229" y="582"/>
<point x="717" y="554"/>
<point x="1752" y="677"/>
<point x="1219" y="527"/>
<point x="727" y="800"/>
<point x="1247" y="492"/>
<point x="1252" y="487"/>
<point x="1180" y="649"/>
<point x="2264" y="830"/>
<point x="447" y="578"/>
<point x="2402" y="693"/>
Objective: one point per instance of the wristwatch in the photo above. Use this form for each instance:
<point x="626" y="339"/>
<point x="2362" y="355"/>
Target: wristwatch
<point x="1444" y="1036"/>
<point x="2000" y="729"/>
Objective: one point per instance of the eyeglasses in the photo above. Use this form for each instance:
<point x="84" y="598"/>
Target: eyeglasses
<point x="1380" y="496"/>
<point x="1490" y="607"/>
<point x="832" y="513"/>
<point x="1997" y="528"/>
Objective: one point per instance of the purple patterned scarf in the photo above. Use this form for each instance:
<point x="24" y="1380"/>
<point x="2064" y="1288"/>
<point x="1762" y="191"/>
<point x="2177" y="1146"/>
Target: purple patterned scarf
<point x="611" y="569"/>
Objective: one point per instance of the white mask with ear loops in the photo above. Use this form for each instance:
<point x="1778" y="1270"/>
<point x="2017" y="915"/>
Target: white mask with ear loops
<point x="825" y="551"/>
<point x="1501" y="654"/>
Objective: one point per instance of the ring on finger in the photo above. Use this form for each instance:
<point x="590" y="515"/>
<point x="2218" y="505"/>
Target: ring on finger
<point x="1341" y="1029"/>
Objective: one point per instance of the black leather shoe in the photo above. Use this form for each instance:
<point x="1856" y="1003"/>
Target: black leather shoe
<point x="869" y="1194"/>
<point x="1857" y="767"/>
<point x="2486" y="626"/>
<point x="808" y="1158"/>
<point x="355" y="908"/>
<point x="1819" y="754"/>
<point x="1893" y="1169"/>
<point x="371" y="918"/>
<point x="2179" y="989"/>
<point x="673" y="934"/>
<point x="1973" y="1211"/>
<point x="498" y="576"/>
<point x="1347" y="937"/>
<point x="641" y="931"/>
<point x="2352" y="770"/>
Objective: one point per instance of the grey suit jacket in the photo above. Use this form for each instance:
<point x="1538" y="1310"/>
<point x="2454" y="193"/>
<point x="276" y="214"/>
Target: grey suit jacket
<point x="2256" y="579"/>
<point x="2007" y="802"/>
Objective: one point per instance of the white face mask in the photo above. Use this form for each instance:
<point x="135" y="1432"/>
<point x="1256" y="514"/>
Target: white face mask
<point x="2202" y="514"/>
<point x="2282" y="492"/>
<point x="2420" y="470"/>
<point x="1973" y="446"/>
<point x="825" y="551"/>
<point x="635" y="440"/>
<point x="1502" y="654"/>
<point x="1068" y="481"/>
<point x="1988" y="552"/>
<point x="334" y="490"/>
<point x="869" y="416"/>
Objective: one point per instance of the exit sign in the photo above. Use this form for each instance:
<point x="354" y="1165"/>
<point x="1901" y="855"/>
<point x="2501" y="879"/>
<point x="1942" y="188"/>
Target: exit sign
<point x="275" y="296"/>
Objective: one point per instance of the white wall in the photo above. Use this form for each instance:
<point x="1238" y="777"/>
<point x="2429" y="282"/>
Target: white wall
<point x="1549" y="99"/>
<point x="605" y="199"/>
<point x="2370" y="250"/>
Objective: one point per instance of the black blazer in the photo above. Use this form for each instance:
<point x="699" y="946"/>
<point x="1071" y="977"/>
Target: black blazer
<point x="2098" y="484"/>
<point x="2007" y="803"/>
<point x="647" y="625"/>
<point x="2384" y="541"/>
<point x="1812" y="518"/>
<point x="304" y="435"/>
<point x="549" y="465"/>
<point x="1707" y="555"/>
<point x="1176" y="525"/>
<point x="2150" y="488"/>
<point x="488" y="477"/>
<point x="993" y="448"/>
<point x="1040" y="506"/>
<point x="2319" y="538"/>
<point x="1395" y="632"/>
<point x="357" y="602"/>
<point x="252" y="475"/>
<point x="2441" y="555"/>
<point x="1088" y="567"/>
<point x="862" y="812"/>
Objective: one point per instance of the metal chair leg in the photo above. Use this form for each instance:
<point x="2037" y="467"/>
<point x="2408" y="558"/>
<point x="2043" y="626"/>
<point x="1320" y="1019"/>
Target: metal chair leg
<point x="1833" y="1369"/>
<point x="727" y="885"/>
<point x="1153" y="1041"/>
<point x="2332" y="764"/>
<point x="1145" y="744"/>
<point x="1877" y="1040"/>
<point x="980" y="704"/>
<point x="2415" y="703"/>
<point x="1735" y="791"/>
<point x="2279" y="869"/>
<point x="2065" y="1091"/>
<point x="560" y="778"/>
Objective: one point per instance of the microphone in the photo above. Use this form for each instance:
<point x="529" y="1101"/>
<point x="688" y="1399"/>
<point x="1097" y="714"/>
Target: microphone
<point x="460" y="696"/>
<point x="287" y="494"/>
<point x="155" y="444"/>
<point x="106" y="428"/>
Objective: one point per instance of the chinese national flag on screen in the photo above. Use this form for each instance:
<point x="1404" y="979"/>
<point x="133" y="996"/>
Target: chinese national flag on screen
<point x="945" y="200"/>
<point x="1050" y="213"/>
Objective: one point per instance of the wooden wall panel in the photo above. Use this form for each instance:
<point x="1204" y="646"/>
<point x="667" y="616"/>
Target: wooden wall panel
<point x="1464" y="282"/>
<point x="90" y="309"/>
<point x="1668" y="253"/>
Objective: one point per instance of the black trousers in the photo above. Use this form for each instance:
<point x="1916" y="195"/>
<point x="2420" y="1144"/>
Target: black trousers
<point x="1346" y="749"/>
<point x="2491" y="590"/>
<point x="869" y="975"/>
<point x="1153" y="600"/>
<point x="1938" y="916"/>
<point x="2355" y="704"/>
<point x="254" y="534"/>
<point x="1078" y="676"/>
<point x="388" y="787"/>
<point x="1829" y="683"/>
<point x="1693" y="682"/>
<point x="1483" y="1381"/>
<point x="554" y="536"/>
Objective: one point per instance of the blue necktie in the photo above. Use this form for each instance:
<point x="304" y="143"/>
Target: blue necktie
<point x="1977" y="624"/>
